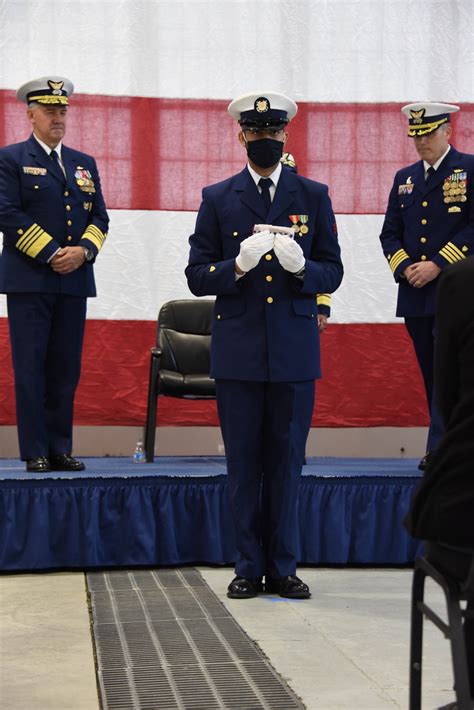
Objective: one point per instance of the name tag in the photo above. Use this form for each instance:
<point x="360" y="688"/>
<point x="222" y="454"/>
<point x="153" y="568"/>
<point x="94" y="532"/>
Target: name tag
<point x="33" y="170"/>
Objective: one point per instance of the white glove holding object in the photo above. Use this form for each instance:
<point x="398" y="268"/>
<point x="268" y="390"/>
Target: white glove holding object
<point x="289" y="253"/>
<point x="253" y="248"/>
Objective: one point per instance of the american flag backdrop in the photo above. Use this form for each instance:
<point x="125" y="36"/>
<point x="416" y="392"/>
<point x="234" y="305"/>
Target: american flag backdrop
<point x="153" y="79"/>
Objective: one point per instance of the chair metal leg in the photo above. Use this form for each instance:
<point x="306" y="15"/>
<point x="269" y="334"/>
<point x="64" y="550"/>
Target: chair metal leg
<point x="458" y="653"/>
<point x="150" y="425"/>
<point x="416" y="638"/>
<point x="452" y="630"/>
<point x="150" y="428"/>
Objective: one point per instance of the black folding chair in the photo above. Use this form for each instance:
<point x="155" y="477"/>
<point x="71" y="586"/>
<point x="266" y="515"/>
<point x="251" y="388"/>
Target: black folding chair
<point x="180" y="362"/>
<point x="455" y="593"/>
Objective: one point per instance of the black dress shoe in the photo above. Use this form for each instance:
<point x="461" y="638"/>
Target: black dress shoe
<point x="290" y="587"/>
<point x="244" y="588"/>
<point x="64" y="462"/>
<point x="40" y="464"/>
<point x="424" y="461"/>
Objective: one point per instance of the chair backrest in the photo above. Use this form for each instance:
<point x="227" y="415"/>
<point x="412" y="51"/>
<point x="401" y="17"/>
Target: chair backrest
<point x="184" y="336"/>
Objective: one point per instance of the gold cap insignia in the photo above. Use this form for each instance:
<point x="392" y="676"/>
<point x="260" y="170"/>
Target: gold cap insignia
<point x="56" y="86"/>
<point x="262" y="105"/>
<point x="417" y="116"/>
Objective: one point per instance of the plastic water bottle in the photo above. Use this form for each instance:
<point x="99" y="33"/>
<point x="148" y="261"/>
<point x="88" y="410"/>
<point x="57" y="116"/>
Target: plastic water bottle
<point x="139" y="453"/>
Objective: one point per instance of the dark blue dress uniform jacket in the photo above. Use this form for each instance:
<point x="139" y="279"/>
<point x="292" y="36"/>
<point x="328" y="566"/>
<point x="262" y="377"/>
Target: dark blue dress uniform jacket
<point x="40" y="212"/>
<point x="433" y="222"/>
<point x="265" y="324"/>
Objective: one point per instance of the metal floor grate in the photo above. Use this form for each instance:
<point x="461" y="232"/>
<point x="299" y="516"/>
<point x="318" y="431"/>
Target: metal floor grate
<point x="164" y="641"/>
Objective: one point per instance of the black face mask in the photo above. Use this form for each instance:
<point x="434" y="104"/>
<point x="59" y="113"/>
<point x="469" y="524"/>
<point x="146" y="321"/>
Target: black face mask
<point x="265" y="152"/>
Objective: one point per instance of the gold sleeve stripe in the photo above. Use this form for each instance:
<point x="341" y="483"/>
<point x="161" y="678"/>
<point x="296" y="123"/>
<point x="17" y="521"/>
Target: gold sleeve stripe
<point x="455" y="250"/>
<point x="323" y="299"/>
<point x="451" y="253"/>
<point x="92" y="238"/>
<point x="34" y="228"/>
<point x="397" y="259"/>
<point x="395" y="263"/>
<point x="95" y="235"/>
<point x="30" y="241"/>
<point x="31" y="233"/>
<point x="448" y="257"/>
<point x="96" y="231"/>
<point x="33" y="241"/>
<point x="29" y="238"/>
<point x="39" y="244"/>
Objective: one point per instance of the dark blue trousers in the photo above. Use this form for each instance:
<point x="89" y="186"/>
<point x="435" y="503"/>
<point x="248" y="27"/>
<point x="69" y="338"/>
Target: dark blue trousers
<point x="46" y="335"/>
<point x="265" y="426"/>
<point x="421" y="331"/>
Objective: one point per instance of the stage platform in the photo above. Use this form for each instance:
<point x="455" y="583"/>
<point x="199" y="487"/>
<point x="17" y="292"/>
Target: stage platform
<point x="118" y="513"/>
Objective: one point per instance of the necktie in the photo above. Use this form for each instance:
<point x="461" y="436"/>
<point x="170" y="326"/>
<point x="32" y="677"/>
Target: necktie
<point x="429" y="174"/>
<point x="55" y="159"/>
<point x="265" y="183"/>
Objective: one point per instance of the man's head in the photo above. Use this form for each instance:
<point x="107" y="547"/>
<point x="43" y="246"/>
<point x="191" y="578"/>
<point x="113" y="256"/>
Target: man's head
<point x="429" y="126"/>
<point x="47" y="99"/>
<point x="263" y="117"/>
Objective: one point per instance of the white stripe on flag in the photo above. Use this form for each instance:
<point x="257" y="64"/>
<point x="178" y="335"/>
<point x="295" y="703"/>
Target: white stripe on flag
<point x="142" y="265"/>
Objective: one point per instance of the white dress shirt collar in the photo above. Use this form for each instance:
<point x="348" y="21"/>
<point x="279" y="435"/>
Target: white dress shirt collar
<point x="274" y="177"/>
<point x="47" y="149"/>
<point x="438" y="162"/>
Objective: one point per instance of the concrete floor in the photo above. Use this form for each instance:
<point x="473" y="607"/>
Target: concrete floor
<point x="345" y="648"/>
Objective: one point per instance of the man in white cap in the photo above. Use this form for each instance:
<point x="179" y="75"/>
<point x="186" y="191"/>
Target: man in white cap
<point x="54" y="223"/>
<point x="265" y="339"/>
<point x="429" y="224"/>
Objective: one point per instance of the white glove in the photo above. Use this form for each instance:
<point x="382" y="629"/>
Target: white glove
<point x="289" y="253"/>
<point x="253" y="248"/>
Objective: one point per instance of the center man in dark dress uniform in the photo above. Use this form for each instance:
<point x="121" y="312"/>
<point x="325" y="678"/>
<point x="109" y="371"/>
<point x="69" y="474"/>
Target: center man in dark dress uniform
<point x="265" y="339"/>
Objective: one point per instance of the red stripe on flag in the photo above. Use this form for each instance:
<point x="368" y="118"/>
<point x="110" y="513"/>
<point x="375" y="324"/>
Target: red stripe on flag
<point x="370" y="379"/>
<point x="158" y="154"/>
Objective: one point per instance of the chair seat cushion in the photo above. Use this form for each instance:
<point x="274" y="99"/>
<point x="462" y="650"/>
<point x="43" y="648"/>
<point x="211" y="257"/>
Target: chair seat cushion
<point x="174" y="384"/>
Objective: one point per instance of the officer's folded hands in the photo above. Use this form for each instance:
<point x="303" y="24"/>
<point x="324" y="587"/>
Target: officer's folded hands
<point x="253" y="248"/>
<point x="289" y="253"/>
